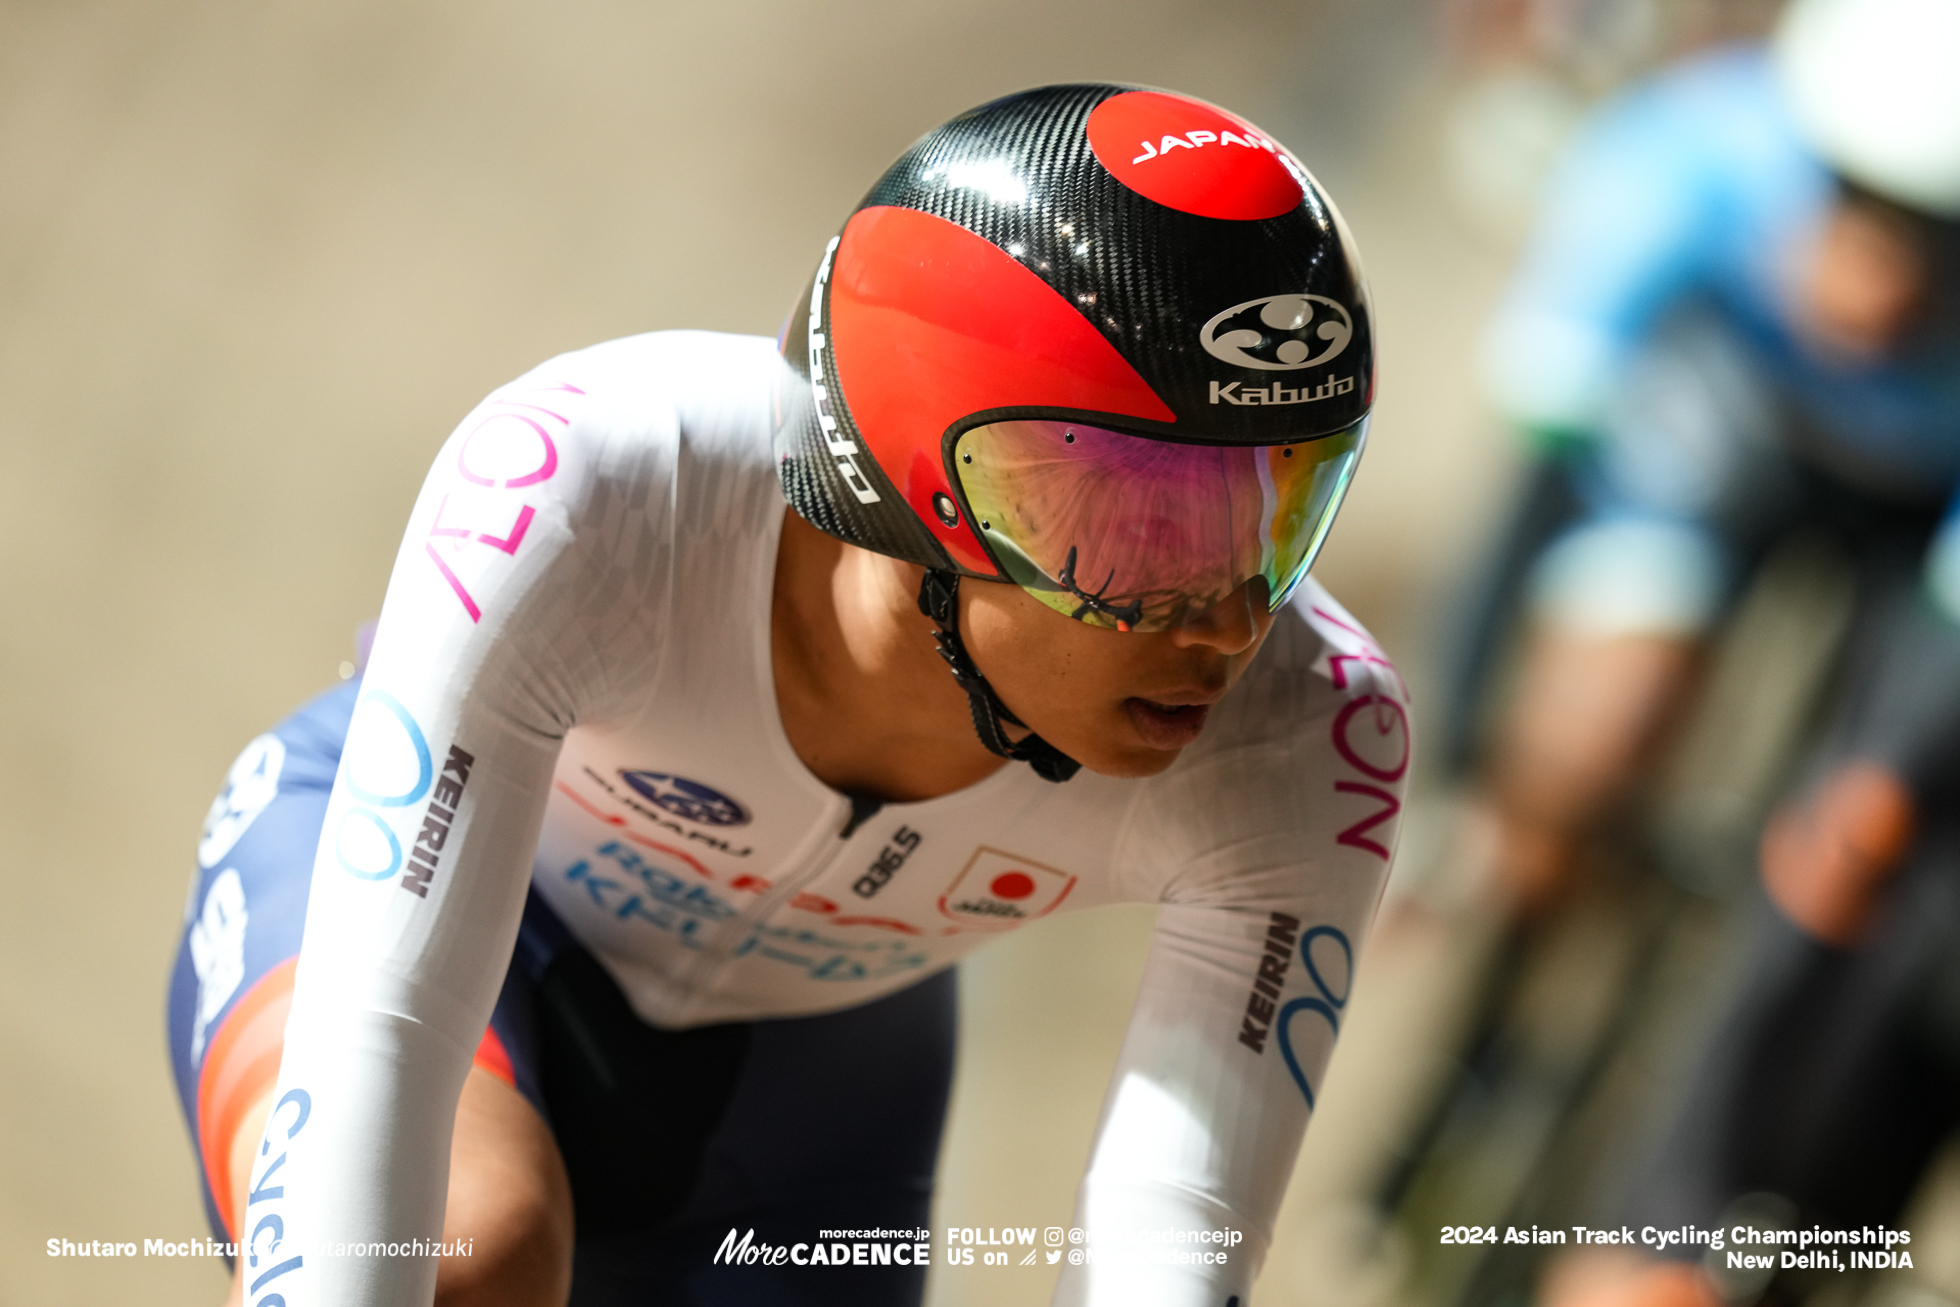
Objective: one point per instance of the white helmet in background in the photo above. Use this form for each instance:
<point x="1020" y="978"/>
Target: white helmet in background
<point x="1875" y="85"/>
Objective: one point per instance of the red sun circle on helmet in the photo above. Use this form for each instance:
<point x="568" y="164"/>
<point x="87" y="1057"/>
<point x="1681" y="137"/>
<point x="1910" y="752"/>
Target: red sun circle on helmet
<point x="1189" y="156"/>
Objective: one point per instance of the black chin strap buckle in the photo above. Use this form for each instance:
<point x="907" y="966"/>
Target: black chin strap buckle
<point x="939" y="599"/>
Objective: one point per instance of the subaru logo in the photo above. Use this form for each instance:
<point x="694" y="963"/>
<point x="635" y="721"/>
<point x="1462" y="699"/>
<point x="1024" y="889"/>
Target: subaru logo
<point x="1280" y="333"/>
<point x="688" y="800"/>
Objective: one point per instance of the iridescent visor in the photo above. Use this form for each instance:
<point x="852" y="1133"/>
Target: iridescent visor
<point x="1145" y="535"/>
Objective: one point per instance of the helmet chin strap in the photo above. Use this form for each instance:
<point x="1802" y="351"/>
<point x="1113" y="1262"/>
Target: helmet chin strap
<point x="939" y="599"/>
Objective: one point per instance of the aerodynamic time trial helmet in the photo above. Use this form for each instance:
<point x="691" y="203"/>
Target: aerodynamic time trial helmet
<point x="1873" y="87"/>
<point x="1110" y="344"/>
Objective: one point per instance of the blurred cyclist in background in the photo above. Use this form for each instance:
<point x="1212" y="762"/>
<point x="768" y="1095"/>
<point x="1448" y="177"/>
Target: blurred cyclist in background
<point x="1740" y="314"/>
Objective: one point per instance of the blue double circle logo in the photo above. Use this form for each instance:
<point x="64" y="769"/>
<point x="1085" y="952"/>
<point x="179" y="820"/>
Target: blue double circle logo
<point x="1326" y="1005"/>
<point x="686" y="799"/>
<point x="424" y="775"/>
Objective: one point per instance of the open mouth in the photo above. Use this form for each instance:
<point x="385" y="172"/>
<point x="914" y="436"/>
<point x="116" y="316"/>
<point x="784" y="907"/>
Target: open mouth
<point x="1167" y="725"/>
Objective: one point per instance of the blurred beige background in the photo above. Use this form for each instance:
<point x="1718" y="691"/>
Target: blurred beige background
<point x="255" y="260"/>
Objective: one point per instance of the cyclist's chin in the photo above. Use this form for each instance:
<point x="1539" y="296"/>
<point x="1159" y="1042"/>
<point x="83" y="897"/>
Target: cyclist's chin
<point x="1134" y="739"/>
<point x="1129" y="764"/>
<point x="1138" y="767"/>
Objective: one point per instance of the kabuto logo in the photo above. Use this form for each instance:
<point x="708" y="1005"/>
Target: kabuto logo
<point x="1280" y="333"/>
<point x="688" y="800"/>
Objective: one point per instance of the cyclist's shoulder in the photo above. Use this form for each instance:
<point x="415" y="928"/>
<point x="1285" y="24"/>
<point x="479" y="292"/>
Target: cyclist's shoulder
<point x="1738" y="75"/>
<point x="1318" y="660"/>
<point x="1329" y="645"/>
<point x="1713" y="121"/>
<point x="1731" y="83"/>
<point x="678" y="358"/>
<point x="700" y="383"/>
<point x="628" y="414"/>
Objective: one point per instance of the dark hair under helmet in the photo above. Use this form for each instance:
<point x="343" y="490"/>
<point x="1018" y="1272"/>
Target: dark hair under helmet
<point x="1137" y="260"/>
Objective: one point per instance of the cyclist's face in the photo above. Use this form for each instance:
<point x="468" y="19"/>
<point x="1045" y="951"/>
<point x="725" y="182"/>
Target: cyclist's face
<point x="1120" y="703"/>
<point x="1867" y="281"/>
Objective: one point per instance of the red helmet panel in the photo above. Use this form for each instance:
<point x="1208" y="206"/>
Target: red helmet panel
<point x="910" y="291"/>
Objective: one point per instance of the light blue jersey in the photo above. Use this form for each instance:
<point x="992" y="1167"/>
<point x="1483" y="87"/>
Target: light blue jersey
<point x="1692" y="192"/>
<point x="1695" y="185"/>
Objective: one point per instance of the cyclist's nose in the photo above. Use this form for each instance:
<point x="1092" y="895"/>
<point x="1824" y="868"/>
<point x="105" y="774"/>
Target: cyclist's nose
<point x="1233" y="625"/>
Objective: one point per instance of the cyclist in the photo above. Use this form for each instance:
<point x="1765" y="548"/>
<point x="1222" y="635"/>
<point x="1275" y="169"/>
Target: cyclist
<point x="1739" y="315"/>
<point x="648" y="838"/>
<point x="1737" y="311"/>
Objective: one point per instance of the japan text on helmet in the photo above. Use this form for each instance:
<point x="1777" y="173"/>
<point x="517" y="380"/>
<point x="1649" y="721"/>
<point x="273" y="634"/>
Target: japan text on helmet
<point x="1873" y="86"/>
<point x="1110" y="344"/>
